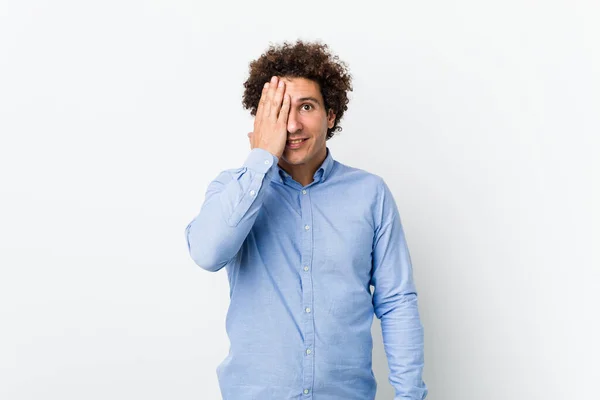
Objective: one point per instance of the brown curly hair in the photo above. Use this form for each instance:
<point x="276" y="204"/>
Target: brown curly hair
<point x="301" y="60"/>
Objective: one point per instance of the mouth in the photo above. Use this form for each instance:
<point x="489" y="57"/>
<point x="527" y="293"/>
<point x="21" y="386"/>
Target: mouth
<point x="295" y="144"/>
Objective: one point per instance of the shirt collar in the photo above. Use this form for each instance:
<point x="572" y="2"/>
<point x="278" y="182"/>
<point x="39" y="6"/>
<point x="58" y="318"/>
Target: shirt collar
<point x="320" y="175"/>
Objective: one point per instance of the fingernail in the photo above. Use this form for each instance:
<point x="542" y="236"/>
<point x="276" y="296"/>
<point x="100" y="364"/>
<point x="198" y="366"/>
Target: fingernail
<point x="267" y="85"/>
<point x="280" y="83"/>
<point x="273" y="79"/>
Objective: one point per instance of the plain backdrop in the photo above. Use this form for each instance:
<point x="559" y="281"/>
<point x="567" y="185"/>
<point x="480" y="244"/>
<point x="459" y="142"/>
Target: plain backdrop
<point x="482" y="116"/>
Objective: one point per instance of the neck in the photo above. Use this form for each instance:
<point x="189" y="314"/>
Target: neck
<point x="304" y="173"/>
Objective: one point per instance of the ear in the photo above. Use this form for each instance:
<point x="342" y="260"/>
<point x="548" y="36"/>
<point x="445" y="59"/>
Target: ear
<point x="330" y="118"/>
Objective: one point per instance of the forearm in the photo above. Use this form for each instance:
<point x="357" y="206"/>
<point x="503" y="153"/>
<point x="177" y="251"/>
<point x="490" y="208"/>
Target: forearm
<point x="403" y="339"/>
<point x="229" y="211"/>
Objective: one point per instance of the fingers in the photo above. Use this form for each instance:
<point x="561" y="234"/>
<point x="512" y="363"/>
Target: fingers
<point x="285" y="110"/>
<point x="276" y="101"/>
<point x="271" y="113"/>
<point x="268" y="104"/>
<point x="261" y="102"/>
<point x="274" y="95"/>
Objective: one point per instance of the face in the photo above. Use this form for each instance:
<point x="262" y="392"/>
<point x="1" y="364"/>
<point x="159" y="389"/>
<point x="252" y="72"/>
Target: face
<point x="308" y="120"/>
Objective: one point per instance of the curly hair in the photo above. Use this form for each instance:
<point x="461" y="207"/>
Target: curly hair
<point x="302" y="60"/>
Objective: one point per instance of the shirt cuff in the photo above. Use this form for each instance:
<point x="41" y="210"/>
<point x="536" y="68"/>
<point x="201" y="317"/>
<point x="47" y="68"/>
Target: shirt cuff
<point x="260" y="160"/>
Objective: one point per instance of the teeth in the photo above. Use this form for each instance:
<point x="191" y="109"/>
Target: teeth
<point x="295" y="141"/>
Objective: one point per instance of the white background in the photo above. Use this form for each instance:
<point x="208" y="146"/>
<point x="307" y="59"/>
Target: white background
<point x="482" y="116"/>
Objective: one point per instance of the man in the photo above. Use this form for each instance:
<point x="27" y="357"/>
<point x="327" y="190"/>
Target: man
<point x="303" y="237"/>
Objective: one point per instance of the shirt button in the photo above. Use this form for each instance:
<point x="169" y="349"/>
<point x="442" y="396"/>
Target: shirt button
<point x="252" y="193"/>
<point x="308" y="351"/>
<point x="306" y="227"/>
<point x="306" y="267"/>
<point x="303" y="191"/>
<point x="305" y="391"/>
<point x="307" y="309"/>
<point x="267" y="162"/>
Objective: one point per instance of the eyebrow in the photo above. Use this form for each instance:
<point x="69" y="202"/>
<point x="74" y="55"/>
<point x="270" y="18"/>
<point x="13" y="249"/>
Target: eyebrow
<point x="301" y="99"/>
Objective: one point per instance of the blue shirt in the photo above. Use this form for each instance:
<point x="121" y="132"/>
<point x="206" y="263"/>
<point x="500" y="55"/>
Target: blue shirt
<point x="300" y="261"/>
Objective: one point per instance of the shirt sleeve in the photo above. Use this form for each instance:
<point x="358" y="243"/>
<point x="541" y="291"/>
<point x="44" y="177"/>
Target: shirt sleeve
<point x="395" y="301"/>
<point x="230" y="208"/>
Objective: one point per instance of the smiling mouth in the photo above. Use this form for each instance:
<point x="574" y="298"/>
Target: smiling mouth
<point x="296" y="141"/>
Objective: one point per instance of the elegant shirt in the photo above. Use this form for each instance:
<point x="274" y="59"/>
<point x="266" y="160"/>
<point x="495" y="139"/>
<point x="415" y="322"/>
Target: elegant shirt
<point x="300" y="262"/>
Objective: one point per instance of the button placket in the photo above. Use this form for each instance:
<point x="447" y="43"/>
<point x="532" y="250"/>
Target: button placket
<point x="307" y="293"/>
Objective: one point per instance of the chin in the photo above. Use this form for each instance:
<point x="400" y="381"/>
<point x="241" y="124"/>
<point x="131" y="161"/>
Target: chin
<point x="294" y="159"/>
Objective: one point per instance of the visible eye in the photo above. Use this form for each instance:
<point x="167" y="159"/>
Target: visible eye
<point x="306" y="105"/>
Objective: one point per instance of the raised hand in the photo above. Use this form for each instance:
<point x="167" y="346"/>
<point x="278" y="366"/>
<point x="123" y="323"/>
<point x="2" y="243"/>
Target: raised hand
<point x="270" y="123"/>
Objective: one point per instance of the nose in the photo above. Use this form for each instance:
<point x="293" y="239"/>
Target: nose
<point x="293" y="122"/>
